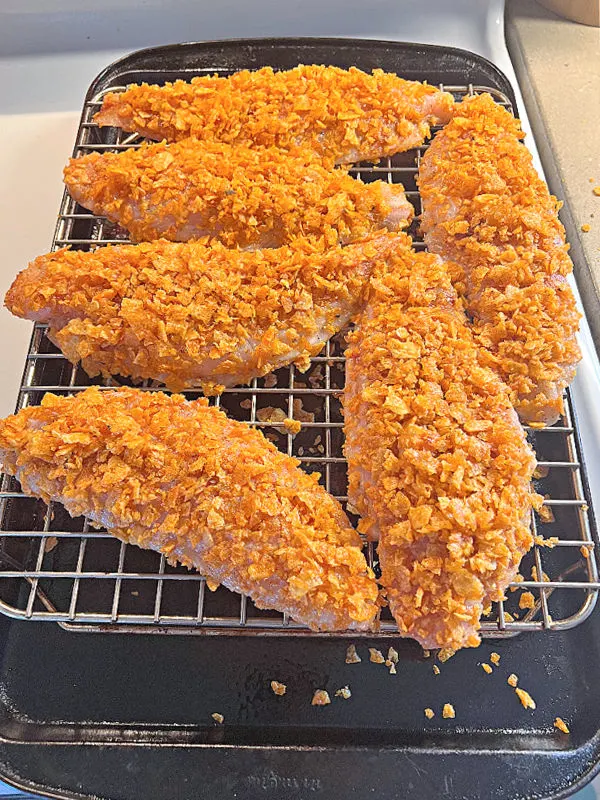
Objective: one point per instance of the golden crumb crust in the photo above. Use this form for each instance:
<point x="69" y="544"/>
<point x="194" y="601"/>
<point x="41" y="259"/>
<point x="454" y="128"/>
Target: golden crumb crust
<point x="485" y="207"/>
<point x="195" y="314"/>
<point x="206" y="491"/>
<point x="343" y="114"/>
<point x="241" y="196"/>
<point x="438" y="464"/>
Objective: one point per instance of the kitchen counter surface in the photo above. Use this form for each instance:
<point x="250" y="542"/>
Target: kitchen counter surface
<point x="558" y="66"/>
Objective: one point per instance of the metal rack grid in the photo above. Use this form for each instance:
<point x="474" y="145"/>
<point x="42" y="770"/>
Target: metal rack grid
<point x="58" y="569"/>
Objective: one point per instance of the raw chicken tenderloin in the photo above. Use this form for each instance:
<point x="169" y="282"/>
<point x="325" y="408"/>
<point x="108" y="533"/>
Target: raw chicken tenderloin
<point x="193" y="314"/>
<point x="209" y="492"/>
<point x="438" y="465"/>
<point x="347" y="115"/>
<point x="251" y="198"/>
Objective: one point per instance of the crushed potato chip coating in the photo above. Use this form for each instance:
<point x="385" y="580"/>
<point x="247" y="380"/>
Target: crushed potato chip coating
<point x="438" y="464"/>
<point x="448" y="711"/>
<point x="512" y="680"/>
<point x="348" y="115"/>
<point x="561" y="725"/>
<point x="191" y="314"/>
<point x="211" y="493"/>
<point x="526" y="699"/>
<point x="278" y="688"/>
<point x="486" y="208"/>
<point x="429" y="713"/>
<point x="242" y="197"/>
<point x="320" y="698"/>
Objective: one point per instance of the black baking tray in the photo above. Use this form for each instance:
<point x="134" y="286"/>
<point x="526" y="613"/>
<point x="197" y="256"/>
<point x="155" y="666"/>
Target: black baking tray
<point x="129" y="716"/>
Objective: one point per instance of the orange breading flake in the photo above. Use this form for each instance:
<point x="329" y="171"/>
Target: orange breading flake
<point x="243" y="197"/>
<point x="292" y="426"/>
<point x="527" y="600"/>
<point x="486" y="668"/>
<point x="320" y="698"/>
<point x="278" y="688"/>
<point x="486" y="208"/>
<point x="561" y="725"/>
<point x="586" y="227"/>
<point x="526" y="699"/>
<point x="585" y="551"/>
<point x="596" y="191"/>
<point x="551" y="542"/>
<point x="446" y="487"/>
<point x="218" y="718"/>
<point x="348" y="115"/>
<point x="207" y="491"/>
<point x="429" y="713"/>
<point x="448" y="711"/>
<point x="495" y="658"/>
<point x="376" y="656"/>
<point x="197" y="314"/>
<point x="512" y="680"/>
<point x="352" y="656"/>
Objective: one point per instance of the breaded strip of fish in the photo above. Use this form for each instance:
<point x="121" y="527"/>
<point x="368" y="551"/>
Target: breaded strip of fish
<point x="347" y="115"/>
<point x="208" y="492"/>
<point x="240" y="196"/>
<point x="194" y="314"/>
<point x="438" y="465"/>
<point x="485" y="207"/>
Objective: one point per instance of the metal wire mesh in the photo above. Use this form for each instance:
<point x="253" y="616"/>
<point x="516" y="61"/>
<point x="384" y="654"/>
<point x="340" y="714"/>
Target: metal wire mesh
<point x="55" y="568"/>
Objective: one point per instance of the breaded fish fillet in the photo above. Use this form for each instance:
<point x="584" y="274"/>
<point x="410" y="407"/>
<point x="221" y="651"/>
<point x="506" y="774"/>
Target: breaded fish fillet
<point x="438" y="465"/>
<point x="347" y="115"/>
<point x="485" y="207"/>
<point x="211" y="493"/>
<point x="242" y="197"/>
<point x="193" y="314"/>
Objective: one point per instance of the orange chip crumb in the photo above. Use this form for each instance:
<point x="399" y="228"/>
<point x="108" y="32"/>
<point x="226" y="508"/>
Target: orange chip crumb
<point x="292" y="426"/>
<point x="429" y="713"/>
<point x="352" y="656"/>
<point x="344" y="692"/>
<point x="561" y="725"/>
<point x="376" y="656"/>
<point x="527" y="600"/>
<point x="586" y="227"/>
<point x="218" y="718"/>
<point x="448" y="711"/>
<point x="495" y="658"/>
<point x="526" y="699"/>
<point x="596" y="191"/>
<point x="436" y="669"/>
<point x="278" y="688"/>
<point x="486" y="668"/>
<point x="508" y="617"/>
<point x="512" y="680"/>
<point x="320" y="698"/>
<point x="445" y="654"/>
<point x="585" y="551"/>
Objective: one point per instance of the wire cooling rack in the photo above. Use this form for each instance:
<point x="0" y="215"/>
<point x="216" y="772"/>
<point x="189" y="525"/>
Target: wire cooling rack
<point x="56" y="568"/>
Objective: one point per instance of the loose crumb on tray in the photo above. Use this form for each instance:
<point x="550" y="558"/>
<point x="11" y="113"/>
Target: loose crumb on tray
<point x="526" y="699"/>
<point x="448" y="711"/>
<point x="436" y="669"/>
<point x="278" y="688"/>
<point x="527" y="600"/>
<point x="320" y="698"/>
<point x="392" y="655"/>
<point x="586" y="227"/>
<point x="486" y="668"/>
<point x="429" y="713"/>
<point x="352" y="656"/>
<point x="376" y="656"/>
<point x="512" y="680"/>
<point x="596" y="191"/>
<point x="495" y="658"/>
<point x="344" y="692"/>
<point x="561" y="725"/>
<point x="219" y="718"/>
<point x="292" y="426"/>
